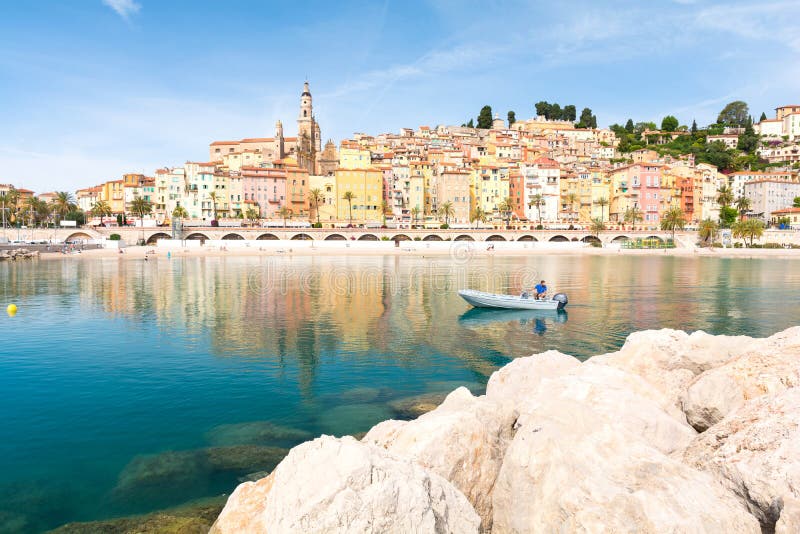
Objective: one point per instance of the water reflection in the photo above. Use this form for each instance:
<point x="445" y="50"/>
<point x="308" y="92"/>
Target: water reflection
<point x="476" y="317"/>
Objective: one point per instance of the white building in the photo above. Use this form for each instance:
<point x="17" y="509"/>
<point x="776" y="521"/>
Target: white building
<point x="542" y="178"/>
<point x="769" y="195"/>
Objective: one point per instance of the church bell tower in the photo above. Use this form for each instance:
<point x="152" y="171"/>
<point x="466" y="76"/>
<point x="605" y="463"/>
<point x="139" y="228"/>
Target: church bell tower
<point x="307" y="132"/>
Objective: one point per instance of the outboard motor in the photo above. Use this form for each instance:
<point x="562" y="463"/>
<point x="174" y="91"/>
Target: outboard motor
<point x="562" y="300"/>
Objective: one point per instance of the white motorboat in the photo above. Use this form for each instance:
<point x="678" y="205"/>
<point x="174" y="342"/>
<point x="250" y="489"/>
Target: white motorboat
<point x="481" y="299"/>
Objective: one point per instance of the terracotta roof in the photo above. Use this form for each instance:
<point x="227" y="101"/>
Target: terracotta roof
<point x="224" y="143"/>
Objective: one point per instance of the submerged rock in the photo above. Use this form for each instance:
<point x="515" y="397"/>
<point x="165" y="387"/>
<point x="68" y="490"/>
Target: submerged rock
<point x="352" y="418"/>
<point x="255" y="433"/>
<point x="416" y="405"/>
<point x="357" y="488"/>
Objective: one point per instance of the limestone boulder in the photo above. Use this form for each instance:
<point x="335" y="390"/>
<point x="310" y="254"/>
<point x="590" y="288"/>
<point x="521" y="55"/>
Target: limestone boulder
<point x="463" y="440"/>
<point x="568" y="470"/>
<point x="342" y="485"/>
<point x="523" y="376"/>
<point x="768" y="366"/>
<point x="756" y="450"/>
<point x="789" y="522"/>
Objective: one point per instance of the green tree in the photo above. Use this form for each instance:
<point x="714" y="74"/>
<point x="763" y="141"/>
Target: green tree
<point x="315" y="196"/>
<point x="734" y="114"/>
<point x="602" y="202"/>
<point x="633" y="215"/>
<point x="749" y="140"/>
<point x="180" y="213"/>
<point x="485" y="118"/>
<point x="212" y="196"/>
<point x="384" y="211"/>
<point x="629" y="126"/>
<point x="717" y="154"/>
<point x="506" y="207"/>
<point x="796" y="202"/>
<point x="63" y="203"/>
<point x="470" y="124"/>
<point x="252" y="215"/>
<point x="727" y="216"/>
<point x="763" y="117"/>
<point x="8" y="204"/>
<point x="569" y="113"/>
<point x="415" y="211"/>
<point x="694" y="127"/>
<point x="672" y="220"/>
<point x="141" y="207"/>
<point x="707" y="229"/>
<point x="285" y="213"/>
<point x="669" y="123"/>
<point x="724" y="196"/>
<point x="101" y="209"/>
<point x="477" y="216"/>
<point x="587" y="120"/>
<point x="597" y="226"/>
<point x="742" y="205"/>
<point x="349" y="197"/>
<point x="536" y="201"/>
<point x="446" y="210"/>
<point x="512" y="118"/>
<point x="750" y="228"/>
<point x="555" y="112"/>
<point x="572" y="199"/>
<point x="543" y="109"/>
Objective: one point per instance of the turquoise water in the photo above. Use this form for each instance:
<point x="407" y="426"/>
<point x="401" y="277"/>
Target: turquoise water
<point x="128" y="386"/>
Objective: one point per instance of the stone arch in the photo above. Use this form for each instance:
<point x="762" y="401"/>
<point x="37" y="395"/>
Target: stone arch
<point x="78" y="235"/>
<point x="464" y="237"/>
<point x="575" y="239"/>
<point x="432" y="237"/>
<point x="301" y="237"/>
<point x="590" y="239"/>
<point x="368" y="237"/>
<point x="620" y="238"/>
<point x="401" y="237"/>
<point x="527" y="238"/>
<point x="558" y="239"/>
<point x="495" y="237"/>
<point x="267" y="237"/>
<point x="197" y="236"/>
<point x="232" y="237"/>
<point x="336" y="237"/>
<point x="158" y="235"/>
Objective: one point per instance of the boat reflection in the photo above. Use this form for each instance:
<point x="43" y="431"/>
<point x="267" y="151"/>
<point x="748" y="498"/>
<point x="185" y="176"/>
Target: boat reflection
<point x="539" y="319"/>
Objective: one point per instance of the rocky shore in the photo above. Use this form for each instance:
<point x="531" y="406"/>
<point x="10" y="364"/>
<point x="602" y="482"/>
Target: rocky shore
<point x="672" y="433"/>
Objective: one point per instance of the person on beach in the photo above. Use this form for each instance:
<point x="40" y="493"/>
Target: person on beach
<point x="541" y="290"/>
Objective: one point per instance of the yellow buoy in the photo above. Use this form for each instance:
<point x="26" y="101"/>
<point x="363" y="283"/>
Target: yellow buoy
<point x="11" y="310"/>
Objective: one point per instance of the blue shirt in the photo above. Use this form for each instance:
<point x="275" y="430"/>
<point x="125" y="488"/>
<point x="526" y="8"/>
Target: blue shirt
<point x="540" y="288"/>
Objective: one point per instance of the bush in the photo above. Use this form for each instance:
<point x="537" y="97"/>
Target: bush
<point x="114" y="237"/>
<point x="214" y="222"/>
<point x="772" y="245"/>
<point x="316" y="225"/>
<point x="417" y="238"/>
<point x="539" y="227"/>
<point x="385" y="238"/>
<point x="596" y="244"/>
<point x="444" y="227"/>
<point x="737" y="245"/>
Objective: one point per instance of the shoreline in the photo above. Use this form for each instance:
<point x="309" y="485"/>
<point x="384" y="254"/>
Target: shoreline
<point x="417" y="249"/>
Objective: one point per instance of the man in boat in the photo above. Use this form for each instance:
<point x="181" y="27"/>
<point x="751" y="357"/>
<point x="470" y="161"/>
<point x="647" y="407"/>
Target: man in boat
<point x="541" y="290"/>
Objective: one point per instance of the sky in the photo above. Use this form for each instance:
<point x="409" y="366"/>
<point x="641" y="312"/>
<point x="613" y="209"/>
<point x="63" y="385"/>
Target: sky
<point x="90" y="89"/>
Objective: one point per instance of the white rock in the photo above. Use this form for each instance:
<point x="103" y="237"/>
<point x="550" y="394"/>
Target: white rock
<point x="523" y="376"/>
<point x="710" y="398"/>
<point x="342" y="485"/>
<point x="463" y="440"/>
<point x="756" y="449"/>
<point x="789" y="522"/>
<point x="567" y="470"/>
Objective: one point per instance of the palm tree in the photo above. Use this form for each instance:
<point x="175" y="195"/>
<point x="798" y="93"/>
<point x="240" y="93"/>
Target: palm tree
<point x="506" y="207"/>
<point x="724" y="196"/>
<point x="632" y="215"/>
<point x="384" y="210"/>
<point x="414" y="215"/>
<point x="751" y="228"/>
<point x="7" y="200"/>
<point x="707" y="229"/>
<point x="477" y="216"/>
<point x="180" y="213"/>
<point x="597" y="226"/>
<point x="572" y="198"/>
<point x="602" y="202"/>
<point x="141" y="207"/>
<point x="63" y="203"/>
<point x="446" y="210"/>
<point x="101" y="209"/>
<point x="285" y="213"/>
<point x="743" y="205"/>
<point x="212" y="196"/>
<point x="252" y="215"/>
<point x="36" y="210"/>
<point x="315" y="195"/>
<point x="673" y="219"/>
<point x="536" y="201"/>
<point x="349" y="197"/>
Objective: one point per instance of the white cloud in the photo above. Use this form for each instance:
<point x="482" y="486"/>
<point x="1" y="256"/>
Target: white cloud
<point x="124" y="8"/>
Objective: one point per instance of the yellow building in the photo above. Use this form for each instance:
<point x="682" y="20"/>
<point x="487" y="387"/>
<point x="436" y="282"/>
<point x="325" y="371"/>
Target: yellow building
<point x="366" y="187"/>
<point x="354" y="158"/>
<point x="329" y="202"/>
<point x="489" y="187"/>
<point x="424" y="170"/>
<point x="113" y="193"/>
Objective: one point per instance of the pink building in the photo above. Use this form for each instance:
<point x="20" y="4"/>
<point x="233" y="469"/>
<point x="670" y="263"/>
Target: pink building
<point x="266" y="187"/>
<point x="646" y="179"/>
